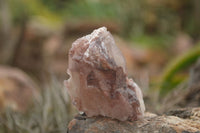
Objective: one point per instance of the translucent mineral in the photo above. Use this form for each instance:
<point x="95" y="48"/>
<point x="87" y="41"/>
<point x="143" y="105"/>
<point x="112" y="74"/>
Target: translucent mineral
<point x="98" y="84"/>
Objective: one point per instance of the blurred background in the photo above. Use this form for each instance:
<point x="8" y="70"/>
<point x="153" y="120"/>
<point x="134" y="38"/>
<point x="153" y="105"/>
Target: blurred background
<point x="159" y="39"/>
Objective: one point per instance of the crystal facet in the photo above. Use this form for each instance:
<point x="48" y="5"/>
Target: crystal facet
<point x="98" y="84"/>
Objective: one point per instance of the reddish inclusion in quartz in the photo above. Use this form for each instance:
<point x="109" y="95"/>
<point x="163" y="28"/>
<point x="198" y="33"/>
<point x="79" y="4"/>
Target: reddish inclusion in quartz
<point x="98" y="84"/>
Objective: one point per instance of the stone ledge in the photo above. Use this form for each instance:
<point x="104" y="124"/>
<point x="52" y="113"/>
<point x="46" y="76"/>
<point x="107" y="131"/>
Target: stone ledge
<point x="172" y="122"/>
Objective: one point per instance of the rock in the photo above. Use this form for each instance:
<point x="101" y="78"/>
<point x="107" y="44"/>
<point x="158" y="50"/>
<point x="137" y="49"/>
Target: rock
<point x="98" y="84"/>
<point x="17" y="90"/>
<point x="186" y="113"/>
<point x="150" y="124"/>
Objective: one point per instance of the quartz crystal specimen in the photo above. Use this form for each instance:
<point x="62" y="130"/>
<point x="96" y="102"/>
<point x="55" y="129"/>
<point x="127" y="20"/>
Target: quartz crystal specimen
<point x="98" y="84"/>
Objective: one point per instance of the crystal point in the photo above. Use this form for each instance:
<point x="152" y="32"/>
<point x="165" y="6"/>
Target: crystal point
<point x="98" y="84"/>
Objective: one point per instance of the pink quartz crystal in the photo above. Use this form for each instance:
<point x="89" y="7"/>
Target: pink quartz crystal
<point x="98" y="84"/>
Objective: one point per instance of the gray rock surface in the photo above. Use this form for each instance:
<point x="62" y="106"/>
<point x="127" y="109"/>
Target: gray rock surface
<point x="176" y="121"/>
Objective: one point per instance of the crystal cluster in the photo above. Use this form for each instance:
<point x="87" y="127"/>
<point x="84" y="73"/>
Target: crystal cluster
<point x="98" y="84"/>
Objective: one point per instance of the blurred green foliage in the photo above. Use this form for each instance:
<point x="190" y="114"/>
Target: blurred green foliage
<point x="55" y="5"/>
<point x="22" y="10"/>
<point x="153" y="41"/>
<point x="170" y="77"/>
<point x="136" y="17"/>
<point x="92" y="10"/>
